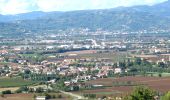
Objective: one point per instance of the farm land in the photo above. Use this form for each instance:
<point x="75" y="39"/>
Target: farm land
<point x="156" y="83"/>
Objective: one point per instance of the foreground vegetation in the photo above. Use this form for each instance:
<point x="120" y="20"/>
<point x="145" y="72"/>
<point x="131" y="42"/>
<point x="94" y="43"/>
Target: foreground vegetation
<point x="145" y="93"/>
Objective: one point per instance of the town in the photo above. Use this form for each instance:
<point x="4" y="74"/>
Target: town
<point x="78" y="60"/>
<point x="84" y="49"/>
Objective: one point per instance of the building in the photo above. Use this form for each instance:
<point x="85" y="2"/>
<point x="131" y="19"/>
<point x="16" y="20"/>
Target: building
<point x="117" y="70"/>
<point x="41" y="98"/>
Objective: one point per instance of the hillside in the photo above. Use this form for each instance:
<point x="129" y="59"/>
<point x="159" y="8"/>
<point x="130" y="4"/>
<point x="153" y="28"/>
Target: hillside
<point x="137" y="18"/>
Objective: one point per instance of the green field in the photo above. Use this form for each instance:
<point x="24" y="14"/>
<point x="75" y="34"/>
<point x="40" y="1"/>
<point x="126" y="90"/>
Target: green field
<point x="155" y="74"/>
<point x="14" y="82"/>
<point x="29" y="55"/>
<point x="30" y="96"/>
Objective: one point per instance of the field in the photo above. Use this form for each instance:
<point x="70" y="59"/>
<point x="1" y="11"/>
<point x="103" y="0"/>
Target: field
<point x="30" y="97"/>
<point x="14" y="82"/>
<point x="156" y="83"/>
<point x="112" y="55"/>
<point x="10" y="88"/>
<point x="16" y="88"/>
<point x="81" y="52"/>
<point x="155" y="74"/>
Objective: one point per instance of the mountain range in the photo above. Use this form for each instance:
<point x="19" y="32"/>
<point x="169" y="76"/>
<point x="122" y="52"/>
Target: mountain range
<point x="136" y="18"/>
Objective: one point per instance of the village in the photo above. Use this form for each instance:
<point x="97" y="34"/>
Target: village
<point x="72" y="64"/>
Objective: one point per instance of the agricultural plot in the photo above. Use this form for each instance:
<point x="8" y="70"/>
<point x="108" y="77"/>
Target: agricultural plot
<point x="156" y="83"/>
<point x="14" y="82"/>
<point x="30" y="96"/>
<point x="115" y="57"/>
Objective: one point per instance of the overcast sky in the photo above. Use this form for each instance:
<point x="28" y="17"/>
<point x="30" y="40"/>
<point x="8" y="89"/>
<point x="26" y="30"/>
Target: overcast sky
<point x="23" y="6"/>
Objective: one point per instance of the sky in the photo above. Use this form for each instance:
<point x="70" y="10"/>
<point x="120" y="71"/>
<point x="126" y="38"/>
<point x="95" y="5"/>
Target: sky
<point x="23" y="6"/>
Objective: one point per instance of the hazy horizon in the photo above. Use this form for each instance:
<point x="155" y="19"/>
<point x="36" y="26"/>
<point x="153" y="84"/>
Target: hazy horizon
<point x="12" y="7"/>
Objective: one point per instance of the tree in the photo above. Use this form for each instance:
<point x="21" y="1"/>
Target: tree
<point x="27" y="71"/>
<point x="6" y="59"/>
<point x="22" y="89"/>
<point x="75" y="88"/>
<point x="103" y="97"/>
<point x="129" y="63"/>
<point x="122" y="65"/>
<point x="47" y="96"/>
<point x="138" y="61"/>
<point x="141" y="93"/>
<point x="31" y="90"/>
<point x="39" y="90"/>
<point x="161" y="64"/>
<point x="160" y="75"/>
<point x="110" y="74"/>
<point x="7" y="92"/>
<point x="53" y="96"/>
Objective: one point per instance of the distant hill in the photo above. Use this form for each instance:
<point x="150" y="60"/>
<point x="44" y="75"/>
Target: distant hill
<point x="122" y="18"/>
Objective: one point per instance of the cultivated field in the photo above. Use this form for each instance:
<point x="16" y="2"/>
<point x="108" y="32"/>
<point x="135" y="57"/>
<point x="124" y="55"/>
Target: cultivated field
<point x="81" y="52"/>
<point x="94" y="54"/>
<point x="156" y="83"/>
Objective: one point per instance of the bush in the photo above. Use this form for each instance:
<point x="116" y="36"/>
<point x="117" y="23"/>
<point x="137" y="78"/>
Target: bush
<point x="141" y="93"/>
<point x="59" y="96"/>
<point x="34" y="96"/>
<point x="160" y="75"/>
<point x="48" y="96"/>
<point x="39" y="90"/>
<point x="53" y="96"/>
<point x="31" y="90"/>
<point x="90" y="95"/>
<point x="22" y="89"/>
<point x="2" y="95"/>
<point x="7" y="92"/>
<point x="103" y="97"/>
<point x="18" y="91"/>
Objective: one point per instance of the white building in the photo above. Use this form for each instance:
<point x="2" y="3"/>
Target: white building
<point x="41" y="98"/>
<point x="118" y="70"/>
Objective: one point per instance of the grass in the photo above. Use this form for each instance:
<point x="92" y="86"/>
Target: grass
<point x="156" y="74"/>
<point x="14" y="82"/>
<point x="11" y="88"/>
<point x="165" y="74"/>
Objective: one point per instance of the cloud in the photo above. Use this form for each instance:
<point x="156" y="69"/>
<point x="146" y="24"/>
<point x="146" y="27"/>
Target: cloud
<point x="22" y="6"/>
<point x="16" y="6"/>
